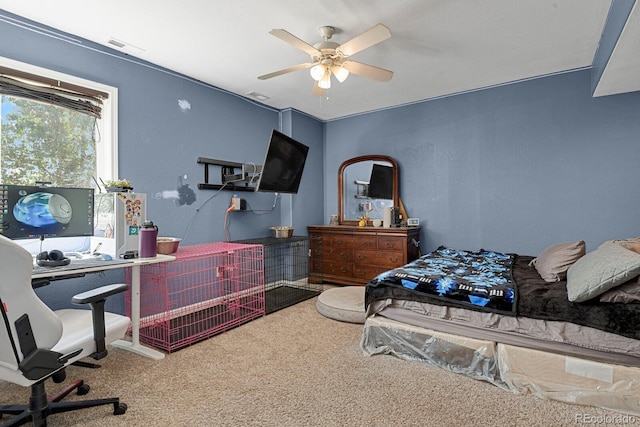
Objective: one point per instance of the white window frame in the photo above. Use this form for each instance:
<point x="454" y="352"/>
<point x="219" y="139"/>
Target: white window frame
<point x="107" y="147"/>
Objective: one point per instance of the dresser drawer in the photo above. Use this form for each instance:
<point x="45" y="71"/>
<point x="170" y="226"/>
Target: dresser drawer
<point x="338" y="254"/>
<point x="379" y="258"/>
<point x="365" y="242"/>
<point x="316" y="265"/>
<point x="366" y="272"/>
<point x="337" y="269"/>
<point x="340" y="240"/>
<point x="391" y="243"/>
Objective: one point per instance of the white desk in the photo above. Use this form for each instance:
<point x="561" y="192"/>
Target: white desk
<point x="134" y="345"/>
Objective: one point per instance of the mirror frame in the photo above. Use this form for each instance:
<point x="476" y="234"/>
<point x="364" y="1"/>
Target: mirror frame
<point x="372" y="157"/>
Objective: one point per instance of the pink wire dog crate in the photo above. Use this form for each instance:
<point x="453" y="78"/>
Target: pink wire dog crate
<point x="209" y="288"/>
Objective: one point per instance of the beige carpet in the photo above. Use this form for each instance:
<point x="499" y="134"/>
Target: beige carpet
<point x="295" y="367"/>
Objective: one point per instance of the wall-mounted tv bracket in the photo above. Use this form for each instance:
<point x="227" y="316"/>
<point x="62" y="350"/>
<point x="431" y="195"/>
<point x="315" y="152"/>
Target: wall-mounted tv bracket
<point x="230" y="180"/>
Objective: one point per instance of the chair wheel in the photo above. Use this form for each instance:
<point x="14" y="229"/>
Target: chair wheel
<point x="59" y="376"/>
<point x="83" y="389"/>
<point x="119" y="408"/>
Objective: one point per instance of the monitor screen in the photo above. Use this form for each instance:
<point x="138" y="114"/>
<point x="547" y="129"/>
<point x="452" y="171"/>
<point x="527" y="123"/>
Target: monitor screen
<point x="283" y="165"/>
<point x="381" y="182"/>
<point x="29" y="212"/>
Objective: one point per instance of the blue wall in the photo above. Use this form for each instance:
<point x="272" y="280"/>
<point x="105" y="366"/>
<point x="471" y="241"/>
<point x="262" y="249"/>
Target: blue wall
<point x="514" y="168"/>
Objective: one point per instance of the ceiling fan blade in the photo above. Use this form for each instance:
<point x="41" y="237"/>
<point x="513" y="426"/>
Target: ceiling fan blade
<point x="317" y="90"/>
<point x="286" y="70"/>
<point x="294" y="41"/>
<point x="373" y="35"/>
<point x="369" y="71"/>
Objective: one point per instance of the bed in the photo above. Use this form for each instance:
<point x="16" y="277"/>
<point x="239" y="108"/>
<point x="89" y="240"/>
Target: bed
<point x="564" y="325"/>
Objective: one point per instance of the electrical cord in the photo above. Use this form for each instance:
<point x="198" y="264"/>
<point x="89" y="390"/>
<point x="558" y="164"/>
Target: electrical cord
<point x="226" y="215"/>
<point x="257" y="211"/>
<point x="190" y="223"/>
<point x="226" y="224"/>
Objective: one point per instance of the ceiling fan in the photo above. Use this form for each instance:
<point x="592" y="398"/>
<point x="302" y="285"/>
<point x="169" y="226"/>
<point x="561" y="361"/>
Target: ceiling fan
<point x="328" y="57"/>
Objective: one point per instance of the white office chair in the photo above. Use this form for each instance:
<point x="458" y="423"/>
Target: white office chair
<point x="37" y="343"/>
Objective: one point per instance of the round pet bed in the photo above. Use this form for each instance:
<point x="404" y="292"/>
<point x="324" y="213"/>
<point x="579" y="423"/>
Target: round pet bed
<point x="343" y="303"/>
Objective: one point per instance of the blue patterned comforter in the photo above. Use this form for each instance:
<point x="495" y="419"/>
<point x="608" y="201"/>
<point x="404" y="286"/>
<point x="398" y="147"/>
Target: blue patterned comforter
<point x="480" y="280"/>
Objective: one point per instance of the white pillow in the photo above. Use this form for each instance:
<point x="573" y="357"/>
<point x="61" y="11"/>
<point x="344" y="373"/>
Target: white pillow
<point x="601" y="270"/>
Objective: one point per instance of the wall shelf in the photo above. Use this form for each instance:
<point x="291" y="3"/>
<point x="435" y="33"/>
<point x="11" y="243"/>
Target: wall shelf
<point x="227" y="176"/>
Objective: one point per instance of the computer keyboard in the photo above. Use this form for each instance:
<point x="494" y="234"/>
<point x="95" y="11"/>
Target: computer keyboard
<point x="80" y="263"/>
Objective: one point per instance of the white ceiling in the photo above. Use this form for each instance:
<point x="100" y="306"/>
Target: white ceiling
<point x="437" y="47"/>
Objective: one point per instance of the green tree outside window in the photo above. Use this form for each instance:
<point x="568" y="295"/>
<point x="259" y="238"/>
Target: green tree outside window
<point x="45" y="143"/>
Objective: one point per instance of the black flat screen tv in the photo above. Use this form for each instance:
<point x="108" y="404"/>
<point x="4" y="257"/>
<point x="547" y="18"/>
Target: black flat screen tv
<point x="381" y="182"/>
<point x="29" y="212"/>
<point x="283" y="165"/>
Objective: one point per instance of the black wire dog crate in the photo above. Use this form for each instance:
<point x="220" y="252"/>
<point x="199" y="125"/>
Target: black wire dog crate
<point x="286" y="271"/>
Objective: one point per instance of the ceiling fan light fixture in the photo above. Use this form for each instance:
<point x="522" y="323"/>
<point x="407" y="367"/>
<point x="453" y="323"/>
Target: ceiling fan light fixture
<point x="341" y="73"/>
<point x="317" y="71"/>
<point x="325" y="81"/>
<point x="329" y="57"/>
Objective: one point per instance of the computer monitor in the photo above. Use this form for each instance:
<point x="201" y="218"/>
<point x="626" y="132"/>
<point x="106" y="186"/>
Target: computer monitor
<point x="29" y="212"/>
<point x="283" y="164"/>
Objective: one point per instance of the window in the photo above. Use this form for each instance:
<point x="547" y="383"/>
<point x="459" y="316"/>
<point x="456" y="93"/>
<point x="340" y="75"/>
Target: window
<point x="40" y="142"/>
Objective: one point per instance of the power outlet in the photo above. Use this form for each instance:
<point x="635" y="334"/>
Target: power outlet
<point x="236" y="203"/>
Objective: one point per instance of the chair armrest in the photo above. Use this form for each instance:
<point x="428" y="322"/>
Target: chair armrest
<point x="97" y="298"/>
<point x="98" y="294"/>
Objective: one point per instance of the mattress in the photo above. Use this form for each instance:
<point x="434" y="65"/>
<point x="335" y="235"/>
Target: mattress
<point x="516" y="369"/>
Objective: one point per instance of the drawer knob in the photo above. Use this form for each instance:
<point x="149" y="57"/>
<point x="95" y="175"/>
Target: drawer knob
<point x="390" y="244"/>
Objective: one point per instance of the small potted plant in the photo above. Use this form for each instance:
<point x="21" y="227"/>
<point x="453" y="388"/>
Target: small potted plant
<point x="118" y="185"/>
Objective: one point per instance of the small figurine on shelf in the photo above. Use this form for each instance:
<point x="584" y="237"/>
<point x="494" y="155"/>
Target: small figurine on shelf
<point x="363" y="221"/>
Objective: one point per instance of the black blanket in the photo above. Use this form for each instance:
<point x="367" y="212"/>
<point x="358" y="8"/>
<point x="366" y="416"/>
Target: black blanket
<point x="537" y="299"/>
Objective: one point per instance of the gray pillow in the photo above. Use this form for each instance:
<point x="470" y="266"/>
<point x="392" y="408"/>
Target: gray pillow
<point x="553" y="262"/>
<point x="601" y="270"/>
<point x="627" y="293"/>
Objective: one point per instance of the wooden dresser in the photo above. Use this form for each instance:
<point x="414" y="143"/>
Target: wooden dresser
<point x="352" y="255"/>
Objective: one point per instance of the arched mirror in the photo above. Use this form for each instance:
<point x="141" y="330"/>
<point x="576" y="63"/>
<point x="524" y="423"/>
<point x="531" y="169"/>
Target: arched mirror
<point x="366" y="185"/>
